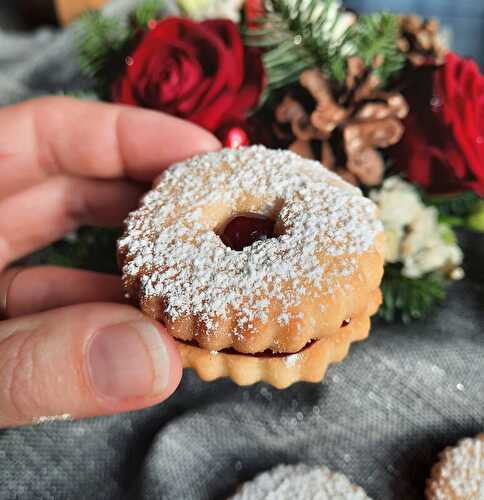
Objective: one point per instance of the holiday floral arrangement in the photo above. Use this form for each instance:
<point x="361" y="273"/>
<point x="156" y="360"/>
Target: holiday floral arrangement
<point x="376" y="98"/>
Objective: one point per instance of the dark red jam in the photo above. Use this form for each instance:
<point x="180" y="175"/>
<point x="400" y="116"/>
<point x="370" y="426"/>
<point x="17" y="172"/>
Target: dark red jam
<point x="244" y="229"/>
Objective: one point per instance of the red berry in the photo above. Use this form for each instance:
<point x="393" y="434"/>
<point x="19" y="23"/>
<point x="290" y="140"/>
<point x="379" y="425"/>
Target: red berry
<point x="244" y="229"/>
<point x="236" y="137"/>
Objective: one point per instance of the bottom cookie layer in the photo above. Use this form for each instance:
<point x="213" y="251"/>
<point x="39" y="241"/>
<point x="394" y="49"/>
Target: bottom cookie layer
<point x="308" y="365"/>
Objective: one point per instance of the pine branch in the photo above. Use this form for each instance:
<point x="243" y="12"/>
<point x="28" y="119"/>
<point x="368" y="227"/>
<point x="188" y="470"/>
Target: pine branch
<point x="409" y="299"/>
<point x="298" y="35"/>
<point x="101" y="40"/>
<point x="90" y="248"/>
<point x="460" y="204"/>
<point x="147" y="11"/>
<point x="85" y="95"/>
<point x="375" y="36"/>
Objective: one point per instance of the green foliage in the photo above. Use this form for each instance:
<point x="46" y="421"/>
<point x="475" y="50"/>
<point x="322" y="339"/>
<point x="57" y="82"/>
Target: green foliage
<point x="316" y="34"/>
<point x="464" y="209"/>
<point x="93" y="249"/>
<point x="297" y="36"/>
<point x="375" y="36"/>
<point x="410" y="299"/>
<point x="459" y="204"/>
<point x="475" y="219"/>
<point x="146" y="11"/>
<point x="84" y="95"/>
<point x="104" y="42"/>
<point x="101" y="39"/>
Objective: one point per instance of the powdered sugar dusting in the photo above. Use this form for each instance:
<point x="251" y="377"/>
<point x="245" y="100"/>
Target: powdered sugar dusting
<point x="172" y="248"/>
<point x="52" y="418"/>
<point x="461" y="472"/>
<point x="291" y="360"/>
<point x="300" y="482"/>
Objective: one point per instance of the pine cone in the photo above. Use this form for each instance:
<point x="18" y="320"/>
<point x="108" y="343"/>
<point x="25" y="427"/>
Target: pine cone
<point x="343" y="131"/>
<point x="420" y="41"/>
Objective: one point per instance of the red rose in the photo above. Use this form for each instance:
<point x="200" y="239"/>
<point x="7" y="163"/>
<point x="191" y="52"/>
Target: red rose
<point x="198" y="71"/>
<point x="443" y="145"/>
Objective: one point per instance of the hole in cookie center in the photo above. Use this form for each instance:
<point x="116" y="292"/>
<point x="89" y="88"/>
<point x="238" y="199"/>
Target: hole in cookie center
<point x="244" y="229"/>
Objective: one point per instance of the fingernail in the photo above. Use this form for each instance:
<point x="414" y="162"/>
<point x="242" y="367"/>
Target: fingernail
<point x="128" y="360"/>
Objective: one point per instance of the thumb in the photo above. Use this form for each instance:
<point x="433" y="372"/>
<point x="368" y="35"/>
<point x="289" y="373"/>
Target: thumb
<point x="81" y="361"/>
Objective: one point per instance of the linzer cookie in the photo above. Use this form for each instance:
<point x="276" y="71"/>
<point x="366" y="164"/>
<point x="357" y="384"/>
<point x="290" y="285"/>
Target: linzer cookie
<point x="300" y="482"/>
<point x="459" y="475"/>
<point x="261" y="264"/>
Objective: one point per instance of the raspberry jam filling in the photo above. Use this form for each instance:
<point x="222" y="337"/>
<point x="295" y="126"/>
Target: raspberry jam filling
<point x="268" y="353"/>
<point x="242" y="230"/>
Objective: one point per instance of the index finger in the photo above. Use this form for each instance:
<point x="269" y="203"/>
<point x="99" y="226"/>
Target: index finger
<point x="61" y="135"/>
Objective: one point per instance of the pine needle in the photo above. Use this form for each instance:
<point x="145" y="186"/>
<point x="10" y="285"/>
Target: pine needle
<point x="147" y="11"/>
<point x="298" y="35"/>
<point x="459" y="204"/>
<point x="90" y="248"/>
<point x="376" y="35"/>
<point x="98" y="37"/>
<point x="410" y="299"/>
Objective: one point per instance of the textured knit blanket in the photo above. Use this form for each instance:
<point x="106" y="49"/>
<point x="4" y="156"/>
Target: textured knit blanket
<point x="380" y="417"/>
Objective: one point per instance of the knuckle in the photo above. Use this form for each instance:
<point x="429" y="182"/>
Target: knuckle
<point x="74" y="201"/>
<point x="42" y="117"/>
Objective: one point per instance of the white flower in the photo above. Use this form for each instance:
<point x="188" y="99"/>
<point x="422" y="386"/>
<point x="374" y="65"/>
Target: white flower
<point x="393" y="239"/>
<point x="398" y="201"/>
<point x="421" y="231"/>
<point x="212" y="9"/>
<point x="434" y="256"/>
<point x="413" y="233"/>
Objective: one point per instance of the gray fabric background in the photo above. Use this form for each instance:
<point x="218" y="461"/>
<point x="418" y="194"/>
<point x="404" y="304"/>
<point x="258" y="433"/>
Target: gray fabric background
<point x="380" y="417"/>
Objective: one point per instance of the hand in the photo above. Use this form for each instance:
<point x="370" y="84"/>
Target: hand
<point x="67" y="348"/>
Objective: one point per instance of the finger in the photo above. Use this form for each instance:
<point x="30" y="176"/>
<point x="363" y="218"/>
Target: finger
<point x="82" y="361"/>
<point x="36" y="289"/>
<point x="47" y="211"/>
<point x="56" y="135"/>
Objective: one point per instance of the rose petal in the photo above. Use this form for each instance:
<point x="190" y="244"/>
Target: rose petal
<point x="441" y="149"/>
<point x="229" y="34"/>
<point x="198" y="71"/>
